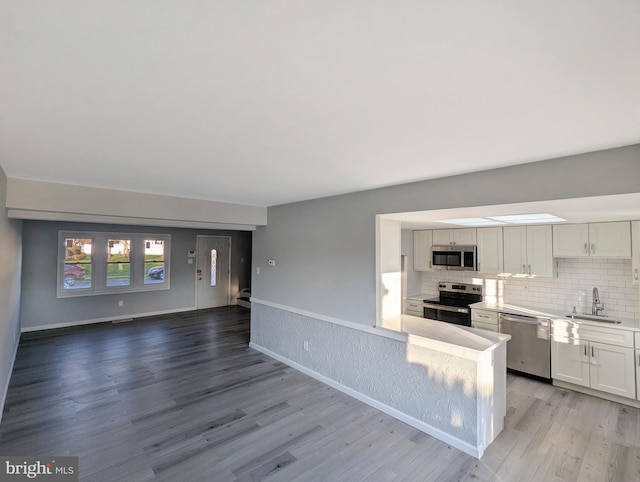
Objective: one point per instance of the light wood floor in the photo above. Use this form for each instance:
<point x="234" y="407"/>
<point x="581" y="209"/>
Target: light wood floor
<point x="183" y="398"/>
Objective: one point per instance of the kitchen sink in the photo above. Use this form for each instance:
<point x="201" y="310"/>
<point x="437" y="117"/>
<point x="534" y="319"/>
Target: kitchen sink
<point x="600" y="318"/>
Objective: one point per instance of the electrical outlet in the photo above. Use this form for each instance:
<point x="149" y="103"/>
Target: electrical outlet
<point x="120" y="303"/>
<point x="257" y="269"/>
<point x="305" y="345"/>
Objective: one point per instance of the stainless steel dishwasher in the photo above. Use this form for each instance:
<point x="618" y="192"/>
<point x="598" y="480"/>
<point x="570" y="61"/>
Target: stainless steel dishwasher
<point x="529" y="349"/>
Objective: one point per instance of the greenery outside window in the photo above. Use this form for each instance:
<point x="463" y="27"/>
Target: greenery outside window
<point x="95" y="263"/>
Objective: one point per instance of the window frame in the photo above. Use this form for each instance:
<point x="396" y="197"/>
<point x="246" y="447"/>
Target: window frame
<point x="99" y="258"/>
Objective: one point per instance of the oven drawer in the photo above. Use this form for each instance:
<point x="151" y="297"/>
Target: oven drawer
<point x="484" y="316"/>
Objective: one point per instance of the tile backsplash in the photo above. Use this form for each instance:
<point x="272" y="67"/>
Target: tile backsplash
<point x="573" y="286"/>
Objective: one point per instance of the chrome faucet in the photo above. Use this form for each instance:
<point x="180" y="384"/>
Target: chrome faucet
<point x="596" y="305"/>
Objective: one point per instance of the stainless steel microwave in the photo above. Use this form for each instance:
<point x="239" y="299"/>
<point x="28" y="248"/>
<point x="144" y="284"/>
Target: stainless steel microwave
<point x="454" y="257"/>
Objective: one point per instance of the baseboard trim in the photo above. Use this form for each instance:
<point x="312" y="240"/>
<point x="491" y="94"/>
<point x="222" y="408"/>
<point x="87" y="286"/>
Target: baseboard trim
<point x="597" y="393"/>
<point x="461" y="445"/>
<point x="128" y="317"/>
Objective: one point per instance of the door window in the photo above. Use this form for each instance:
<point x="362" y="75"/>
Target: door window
<point x="214" y="263"/>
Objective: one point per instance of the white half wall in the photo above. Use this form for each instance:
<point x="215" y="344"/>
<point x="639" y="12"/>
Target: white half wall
<point x="431" y="390"/>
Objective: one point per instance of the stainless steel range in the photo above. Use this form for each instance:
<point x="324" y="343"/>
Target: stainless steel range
<point x="452" y="306"/>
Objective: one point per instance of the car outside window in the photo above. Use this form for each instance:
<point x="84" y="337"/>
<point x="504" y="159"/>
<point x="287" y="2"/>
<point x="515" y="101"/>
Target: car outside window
<point x="95" y="263"/>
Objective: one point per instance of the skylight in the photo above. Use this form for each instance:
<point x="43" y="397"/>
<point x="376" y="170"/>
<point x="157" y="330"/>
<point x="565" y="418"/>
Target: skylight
<point x="500" y="220"/>
<point x="472" y="222"/>
<point x="528" y="218"/>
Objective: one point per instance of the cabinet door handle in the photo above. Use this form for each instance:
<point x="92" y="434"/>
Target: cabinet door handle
<point x="593" y="248"/>
<point x="529" y="269"/>
<point x="586" y="248"/>
<point x="524" y="270"/>
<point x="593" y="355"/>
<point x="585" y="349"/>
<point x="635" y="274"/>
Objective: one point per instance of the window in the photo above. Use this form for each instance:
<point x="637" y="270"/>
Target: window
<point x="94" y="263"/>
<point x="77" y="263"/>
<point x="154" y="261"/>
<point x="118" y="262"/>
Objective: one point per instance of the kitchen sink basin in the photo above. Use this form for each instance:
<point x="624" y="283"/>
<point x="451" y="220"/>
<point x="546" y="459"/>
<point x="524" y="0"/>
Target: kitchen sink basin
<point x="600" y="318"/>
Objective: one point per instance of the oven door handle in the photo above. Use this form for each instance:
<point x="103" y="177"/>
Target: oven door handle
<point x="446" y="308"/>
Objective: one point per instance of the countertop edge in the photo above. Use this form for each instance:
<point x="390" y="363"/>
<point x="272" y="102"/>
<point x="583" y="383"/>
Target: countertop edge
<point x="626" y="324"/>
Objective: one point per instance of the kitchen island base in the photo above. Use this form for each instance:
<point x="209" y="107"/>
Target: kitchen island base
<point x="452" y="392"/>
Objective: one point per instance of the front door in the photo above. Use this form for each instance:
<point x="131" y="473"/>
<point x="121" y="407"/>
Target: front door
<point x="212" y="271"/>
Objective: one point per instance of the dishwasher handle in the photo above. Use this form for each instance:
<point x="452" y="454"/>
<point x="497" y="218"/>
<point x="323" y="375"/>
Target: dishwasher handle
<point x="531" y="320"/>
<point x="543" y="324"/>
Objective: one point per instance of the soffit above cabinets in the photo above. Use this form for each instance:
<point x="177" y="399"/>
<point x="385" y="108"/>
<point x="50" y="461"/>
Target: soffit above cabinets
<point x="621" y="207"/>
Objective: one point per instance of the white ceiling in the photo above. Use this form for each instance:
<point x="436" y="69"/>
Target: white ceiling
<point x="270" y="102"/>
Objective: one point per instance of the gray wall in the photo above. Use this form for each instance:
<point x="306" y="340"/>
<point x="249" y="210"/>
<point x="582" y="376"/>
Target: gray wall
<point x="10" y="260"/>
<point x="41" y="307"/>
<point x="325" y="249"/>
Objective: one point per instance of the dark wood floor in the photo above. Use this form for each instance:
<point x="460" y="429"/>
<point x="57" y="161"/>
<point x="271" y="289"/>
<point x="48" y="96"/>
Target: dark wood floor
<point x="183" y="398"/>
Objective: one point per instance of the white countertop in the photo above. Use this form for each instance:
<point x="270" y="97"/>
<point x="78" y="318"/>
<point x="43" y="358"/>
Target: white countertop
<point x="625" y="323"/>
<point x="420" y="296"/>
<point x="450" y="338"/>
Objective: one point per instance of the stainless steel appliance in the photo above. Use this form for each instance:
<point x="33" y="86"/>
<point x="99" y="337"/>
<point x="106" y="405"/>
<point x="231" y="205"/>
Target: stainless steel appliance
<point x="452" y="306"/>
<point x="529" y="349"/>
<point x="454" y="257"/>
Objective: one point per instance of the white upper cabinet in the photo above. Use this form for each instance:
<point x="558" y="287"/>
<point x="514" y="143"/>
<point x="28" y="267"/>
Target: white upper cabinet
<point x="610" y="240"/>
<point x="604" y="240"/>
<point x="515" y="249"/>
<point x="490" y="251"/>
<point x="464" y="236"/>
<point x="422" y="241"/>
<point x="528" y="250"/>
<point x="570" y="240"/>
<point x="635" y="258"/>
<point x="540" y="251"/>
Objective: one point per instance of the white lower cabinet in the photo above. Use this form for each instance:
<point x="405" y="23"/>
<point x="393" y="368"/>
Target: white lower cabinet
<point x="613" y="369"/>
<point x="484" y="319"/>
<point x="568" y="361"/>
<point x="637" y="362"/>
<point x="484" y="326"/>
<point x="594" y="357"/>
<point x="413" y="306"/>
<point x="638" y="374"/>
